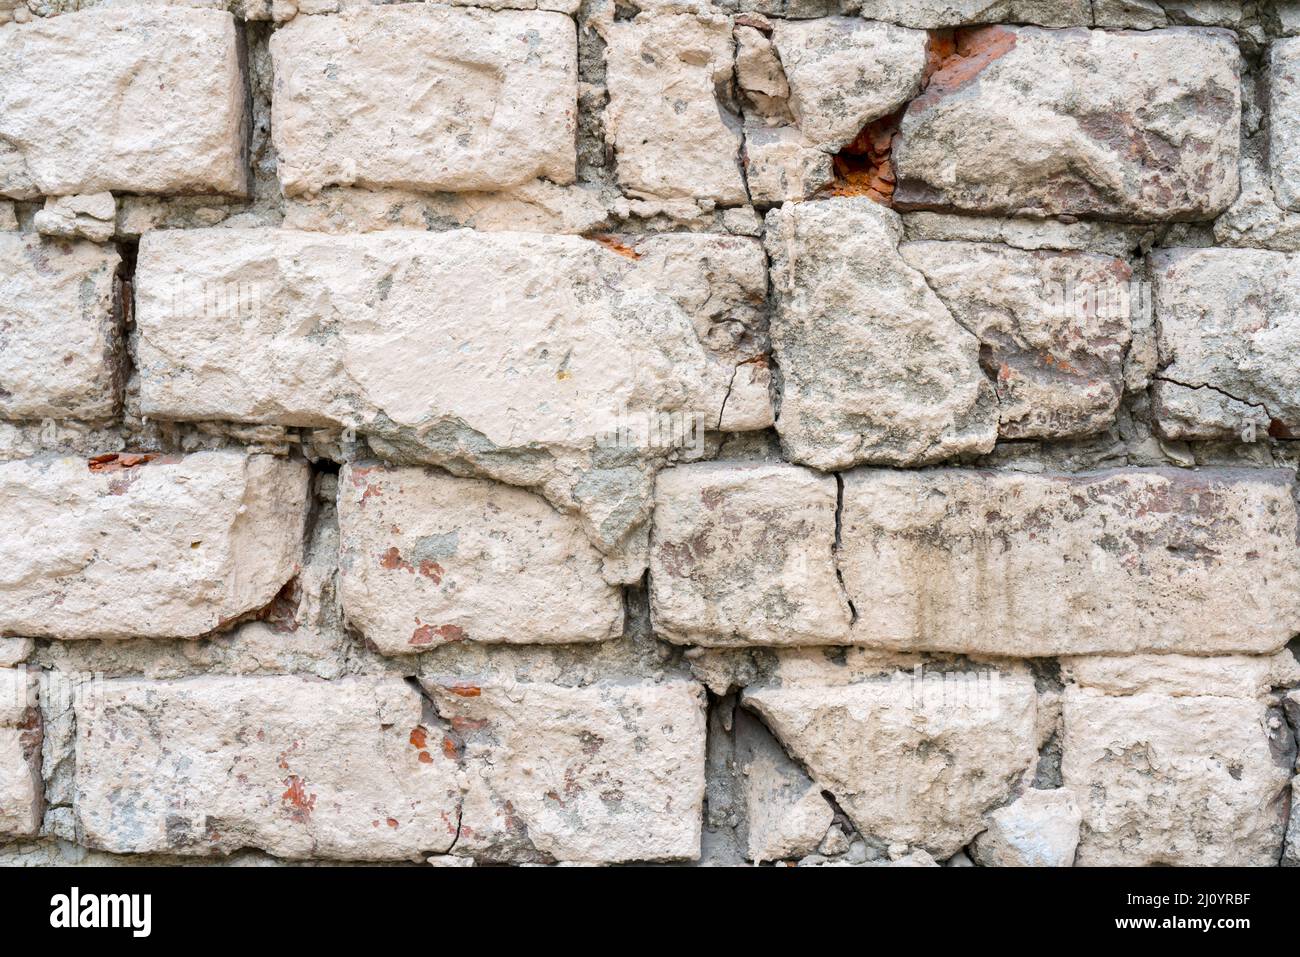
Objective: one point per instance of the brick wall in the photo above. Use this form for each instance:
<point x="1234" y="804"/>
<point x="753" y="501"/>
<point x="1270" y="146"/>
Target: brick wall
<point x="853" y="432"/>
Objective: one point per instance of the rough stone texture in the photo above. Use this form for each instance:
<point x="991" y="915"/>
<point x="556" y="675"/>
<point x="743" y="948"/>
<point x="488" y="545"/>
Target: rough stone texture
<point x="476" y="351"/>
<point x="1200" y="561"/>
<point x="1240" y="676"/>
<point x="1038" y="829"/>
<point x="425" y="97"/>
<point x="90" y="217"/>
<point x="781" y="165"/>
<point x="1054" y="329"/>
<point x="953" y="13"/>
<point x="744" y="554"/>
<point x="606" y="773"/>
<point x="1135" y="126"/>
<point x="132" y="546"/>
<point x="670" y="135"/>
<point x="428" y="558"/>
<point x="1229" y="328"/>
<point x="536" y="206"/>
<point x="138" y="100"/>
<point x="294" y="766"/>
<point x="59" y="329"/>
<point x="911" y="760"/>
<point x="1284" y="126"/>
<point x="759" y="72"/>
<point x="876" y="369"/>
<point x="20" y="749"/>
<point x="845" y="72"/>
<point x="1186" y="780"/>
<point x="786" y="814"/>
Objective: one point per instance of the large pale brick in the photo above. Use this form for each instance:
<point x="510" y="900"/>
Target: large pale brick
<point x="1228" y="325"/>
<point x="744" y="554"/>
<point x="604" y="773"/>
<point x="138" y="100"/>
<point x="671" y="136"/>
<point x="60" y="328"/>
<point x="520" y="356"/>
<point x="138" y="546"/>
<point x="1284" y="122"/>
<point x="510" y="333"/>
<point x="427" y="558"/>
<point x="425" y="97"/>
<point x="1009" y="563"/>
<point x="1239" y="676"/>
<point x="294" y="766"/>
<point x="1053" y="327"/>
<point x="1135" y="126"/>
<point x="914" y="758"/>
<point x="21" y="792"/>
<point x="875" y="368"/>
<point x="1175" y="779"/>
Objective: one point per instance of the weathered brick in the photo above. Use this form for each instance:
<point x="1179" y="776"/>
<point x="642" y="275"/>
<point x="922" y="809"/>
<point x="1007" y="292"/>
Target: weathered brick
<point x="604" y="773"/>
<point x="17" y="695"/>
<point x="21" y="795"/>
<point x="845" y="72"/>
<point x="744" y="554"/>
<point x="1038" y="829"/>
<point x="1135" y="126"/>
<point x="786" y="814"/>
<point x="1008" y="563"/>
<point x="1284" y="121"/>
<point x="1175" y="779"/>
<point x="875" y="367"/>
<point x="59" y="329"/>
<point x="361" y="769"/>
<point x="955" y="13"/>
<point x="425" y="97"/>
<point x="671" y="136"/>
<point x="144" y="546"/>
<point x="913" y="758"/>
<point x="137" y="100"/>
<point x="782" y="166"/>
<point x="1228" y="323"/>
<point x="1054" y="328"/>
<point x="479" y="327"/>
<point x="294" y="766"/>
<point x="428" y="558"/>
<point x="520" y="356"/>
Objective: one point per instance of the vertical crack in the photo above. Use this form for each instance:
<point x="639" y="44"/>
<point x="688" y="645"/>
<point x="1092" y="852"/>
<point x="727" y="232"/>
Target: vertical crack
<point x="835" y="551"/>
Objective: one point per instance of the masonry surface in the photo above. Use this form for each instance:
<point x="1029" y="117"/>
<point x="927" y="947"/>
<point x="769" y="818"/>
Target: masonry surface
<point x="818" y="432"/>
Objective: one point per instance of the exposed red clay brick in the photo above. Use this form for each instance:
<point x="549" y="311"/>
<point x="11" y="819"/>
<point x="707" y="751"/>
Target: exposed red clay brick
<point x="117" y="461"/>
<point x="954" y="58"/>
<point x="864" y="167"/>
<point x="614" y="244"/>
